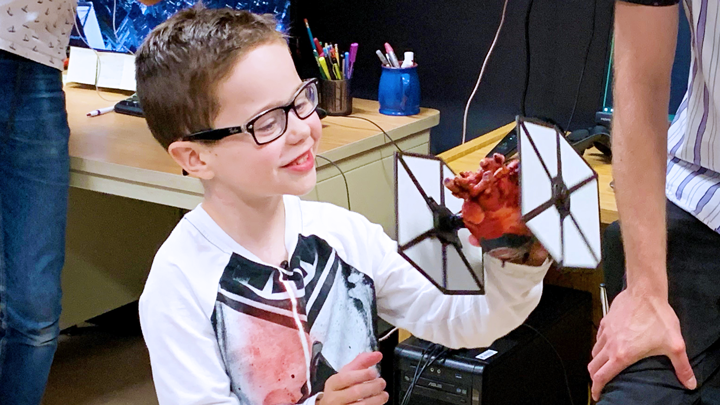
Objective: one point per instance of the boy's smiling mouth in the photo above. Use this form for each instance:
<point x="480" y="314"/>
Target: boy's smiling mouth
<point x="302" y="163"/>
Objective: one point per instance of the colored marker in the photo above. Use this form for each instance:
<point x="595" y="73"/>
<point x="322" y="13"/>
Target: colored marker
<point x="347" y="66"/>
<point x="101" y="111"/>
<point x="382" y="58"/>
<point x="353" y="57"/>
<point x="324" y="66"/>
<point x="317" y="46"/>
<point x="391" y="55"/>
<point x="317" y="59"/>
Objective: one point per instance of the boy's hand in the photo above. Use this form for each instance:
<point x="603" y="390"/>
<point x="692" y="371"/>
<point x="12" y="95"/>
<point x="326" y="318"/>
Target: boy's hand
<point x="357" y="383"/>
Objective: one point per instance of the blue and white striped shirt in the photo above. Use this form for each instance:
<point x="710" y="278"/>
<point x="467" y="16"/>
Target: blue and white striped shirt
<point x="693" y="170"/>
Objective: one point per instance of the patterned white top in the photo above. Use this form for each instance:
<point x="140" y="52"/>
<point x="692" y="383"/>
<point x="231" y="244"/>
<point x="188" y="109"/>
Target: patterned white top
<point x="693" y="171"/>
<point x="38" y="30"/>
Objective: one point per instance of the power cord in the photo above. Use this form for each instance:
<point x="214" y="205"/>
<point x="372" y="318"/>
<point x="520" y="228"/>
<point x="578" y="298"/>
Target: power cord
<point x="97" y="60"/>
<point x="347" y="189"/>
<point x="527" y="59"/>
<point x="482" y="72"/>
<point x="378" y="127"/>
<point x="585" y="62"/>
<point x="562" y="363"/>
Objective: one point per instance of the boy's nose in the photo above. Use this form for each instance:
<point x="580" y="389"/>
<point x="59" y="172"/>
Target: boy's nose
<point x="297" y="130"/>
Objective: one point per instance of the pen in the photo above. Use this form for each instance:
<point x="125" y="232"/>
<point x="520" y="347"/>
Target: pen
<point x="101" y="111"/>
<point x="604" y="299"/>
<point x="391" y="55"/>
<point x="383" y="60"/>
<point x="312" y="43"/>
<point x="353" y="56"/>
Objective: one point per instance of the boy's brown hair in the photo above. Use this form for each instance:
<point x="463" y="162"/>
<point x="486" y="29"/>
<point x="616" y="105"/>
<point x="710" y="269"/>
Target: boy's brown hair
<point x="183" y="60"/>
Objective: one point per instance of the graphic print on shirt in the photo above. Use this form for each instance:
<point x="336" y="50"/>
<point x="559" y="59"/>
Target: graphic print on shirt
<point x="258" y="335"/>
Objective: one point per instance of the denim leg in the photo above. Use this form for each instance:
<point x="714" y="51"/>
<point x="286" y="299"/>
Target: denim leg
<point x="34" y="178"/>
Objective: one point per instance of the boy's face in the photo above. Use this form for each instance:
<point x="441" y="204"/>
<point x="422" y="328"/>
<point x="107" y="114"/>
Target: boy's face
<point x="264" y="78"/>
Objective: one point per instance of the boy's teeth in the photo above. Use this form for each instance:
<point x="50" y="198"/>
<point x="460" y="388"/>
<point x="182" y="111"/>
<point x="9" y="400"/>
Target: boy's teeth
<point x="301" y="159"/>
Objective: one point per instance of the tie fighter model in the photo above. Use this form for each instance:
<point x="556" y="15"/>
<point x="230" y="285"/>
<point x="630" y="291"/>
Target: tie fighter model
<point x="559" y="204"/>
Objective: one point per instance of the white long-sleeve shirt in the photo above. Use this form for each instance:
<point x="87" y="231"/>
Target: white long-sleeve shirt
<point x="222" y="327"/>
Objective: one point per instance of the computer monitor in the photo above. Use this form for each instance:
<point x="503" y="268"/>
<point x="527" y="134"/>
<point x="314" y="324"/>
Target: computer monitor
<point x="122" y="25"/>
<point x="680" y="71"/>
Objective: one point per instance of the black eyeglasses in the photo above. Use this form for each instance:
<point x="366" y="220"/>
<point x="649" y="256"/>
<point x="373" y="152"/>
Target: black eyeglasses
<point x="271" y="124"/>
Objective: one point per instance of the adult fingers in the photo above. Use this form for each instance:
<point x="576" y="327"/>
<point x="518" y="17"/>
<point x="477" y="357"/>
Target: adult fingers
<point x="681" y="364"/>
<point x="599" y="345"/>
<point x="597" y="363"/>
<point x="603" y="376"/>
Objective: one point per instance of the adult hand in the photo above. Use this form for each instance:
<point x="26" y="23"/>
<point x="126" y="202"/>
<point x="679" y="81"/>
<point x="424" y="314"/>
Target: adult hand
<point x="637" y="327"/>
<point x="357" y="383"/>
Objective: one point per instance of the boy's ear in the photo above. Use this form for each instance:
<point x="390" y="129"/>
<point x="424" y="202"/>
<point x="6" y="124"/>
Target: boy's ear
<point x="191" y="157"/>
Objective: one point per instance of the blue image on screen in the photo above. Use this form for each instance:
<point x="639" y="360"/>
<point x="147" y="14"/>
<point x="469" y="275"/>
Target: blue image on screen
<point x="133" y="21"/>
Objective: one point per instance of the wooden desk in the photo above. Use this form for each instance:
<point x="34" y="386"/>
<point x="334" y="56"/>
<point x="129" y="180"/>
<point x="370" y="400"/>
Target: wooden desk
<point x="467" y="157"/>
<point x="127" y="193"/>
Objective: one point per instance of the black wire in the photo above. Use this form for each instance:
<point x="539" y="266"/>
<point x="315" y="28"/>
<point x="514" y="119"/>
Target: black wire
<point x="585" y="62"/>
<point x="562" y="363"/>
<point x="527" y="59"/>
<point x="347" y="189"/>
<point x="435" y="353"/>
<point x="378" y="127"/>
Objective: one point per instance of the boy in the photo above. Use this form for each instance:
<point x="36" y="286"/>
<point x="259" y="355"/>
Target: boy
<point x="257" y="297"/>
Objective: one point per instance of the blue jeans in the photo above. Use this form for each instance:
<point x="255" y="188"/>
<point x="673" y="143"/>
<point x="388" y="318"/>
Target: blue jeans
<point x="34" y="178"/>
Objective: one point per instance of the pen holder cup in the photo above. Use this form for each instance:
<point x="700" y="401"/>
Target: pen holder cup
<point x="399" y="91"/>
<point x="335" y="97"/>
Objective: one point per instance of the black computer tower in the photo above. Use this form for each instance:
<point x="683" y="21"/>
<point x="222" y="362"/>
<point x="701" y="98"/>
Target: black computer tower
<point x="518" y="369"/>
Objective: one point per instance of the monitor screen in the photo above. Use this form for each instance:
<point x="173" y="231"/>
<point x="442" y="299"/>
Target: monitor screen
<point x="122" y="25"/>
<point x="680" y="70"/>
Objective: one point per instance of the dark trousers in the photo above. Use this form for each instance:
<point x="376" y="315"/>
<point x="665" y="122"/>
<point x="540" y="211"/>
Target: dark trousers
<point x="693" y="265"/>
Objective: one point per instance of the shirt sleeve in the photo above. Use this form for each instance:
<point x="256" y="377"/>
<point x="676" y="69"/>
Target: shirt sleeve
<point x="656" y="3"/>
<point x="186" y="362"/>
<point x="408" y="300"/>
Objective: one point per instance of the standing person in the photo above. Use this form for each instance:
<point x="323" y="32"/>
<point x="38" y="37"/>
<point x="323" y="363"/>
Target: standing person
<point x="660" y="342"/>
<point x="34" y="175"/>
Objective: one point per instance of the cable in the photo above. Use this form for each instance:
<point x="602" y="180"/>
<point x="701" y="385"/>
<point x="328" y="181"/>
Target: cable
<point x="585" y="62"/>
<point x="97" y="62"/>
<point x="482" y="71"/>
<point x="436" y="352"/>
<point x="347" y="189"/>
<point x="114" y="17"/>
<point x="387" y="335"/>
<point x="378" y="127"/>
<point x="562" y="363"/>
<point x="527" y="59"/>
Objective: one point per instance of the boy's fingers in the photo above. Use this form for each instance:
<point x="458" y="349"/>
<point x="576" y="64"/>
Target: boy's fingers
<point x="363" y="391"/>
<point x="346" y="379"/>
<point x="380" y="399"/>
<point x="363" y="361"/>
